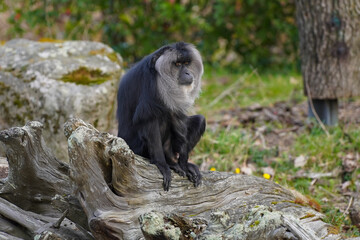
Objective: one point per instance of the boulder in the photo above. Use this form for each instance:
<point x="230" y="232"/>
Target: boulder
<point x="51" y="82"/>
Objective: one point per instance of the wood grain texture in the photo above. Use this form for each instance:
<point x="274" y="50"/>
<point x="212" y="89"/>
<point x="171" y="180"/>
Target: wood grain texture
<point x="123" y="198"/>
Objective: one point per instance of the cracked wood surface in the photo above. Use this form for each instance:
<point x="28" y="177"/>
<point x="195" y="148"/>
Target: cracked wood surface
<point x="121" y="195"/>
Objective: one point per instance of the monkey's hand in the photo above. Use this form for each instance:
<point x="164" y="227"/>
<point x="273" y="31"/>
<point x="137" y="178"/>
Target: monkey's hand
<point x="165" y="171"/>
<point x="167" y="181"/>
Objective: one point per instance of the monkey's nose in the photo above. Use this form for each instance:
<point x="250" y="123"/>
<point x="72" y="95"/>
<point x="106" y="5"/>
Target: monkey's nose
<point x="186" y="79"/>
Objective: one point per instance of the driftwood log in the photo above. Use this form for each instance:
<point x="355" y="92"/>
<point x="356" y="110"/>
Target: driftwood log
<point x="108" y="192"/>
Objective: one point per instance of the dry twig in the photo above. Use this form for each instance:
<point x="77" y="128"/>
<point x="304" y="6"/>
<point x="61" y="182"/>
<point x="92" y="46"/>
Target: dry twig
<point x="313" y="109"/>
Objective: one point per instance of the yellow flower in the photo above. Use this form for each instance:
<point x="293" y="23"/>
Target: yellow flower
<point x="212" y="169"/>
<point x="266" y="176"/>
<point x="237" y="170"/>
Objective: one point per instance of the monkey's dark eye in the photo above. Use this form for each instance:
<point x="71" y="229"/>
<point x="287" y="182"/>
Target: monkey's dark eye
<point x="178" y="64"/>
<point x="186" y="63"/>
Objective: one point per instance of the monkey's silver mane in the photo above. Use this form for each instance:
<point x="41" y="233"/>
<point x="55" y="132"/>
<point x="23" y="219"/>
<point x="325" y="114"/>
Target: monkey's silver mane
<point x="178" y="97"/>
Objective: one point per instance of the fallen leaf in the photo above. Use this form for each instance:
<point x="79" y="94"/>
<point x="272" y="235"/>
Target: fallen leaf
<point x="248" y="169"/>
<point x="255" y="107"/>
<point x="350" y="163"/>
<point x="345" y="185"/>
<point x="300" y="161"/>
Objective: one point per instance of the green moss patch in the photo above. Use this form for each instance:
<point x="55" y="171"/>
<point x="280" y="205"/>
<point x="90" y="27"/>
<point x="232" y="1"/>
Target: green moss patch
<point x="86" y="76"/>
<point x="3" y="88"/>
<point x="308" y="215"/>
<point x="112" y="56"/>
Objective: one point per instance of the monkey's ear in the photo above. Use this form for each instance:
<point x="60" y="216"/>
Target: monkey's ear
<point x="157" y="54"/>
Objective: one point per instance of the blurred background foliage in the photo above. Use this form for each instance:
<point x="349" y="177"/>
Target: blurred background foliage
<point x="251" y="33"/>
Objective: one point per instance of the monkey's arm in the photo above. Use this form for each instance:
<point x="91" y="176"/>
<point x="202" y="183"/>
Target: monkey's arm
<point x="149" y="132"/>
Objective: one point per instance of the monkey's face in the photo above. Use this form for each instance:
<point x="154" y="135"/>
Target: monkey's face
<point x="185" y="77"/>
<point x="179" y="71"/>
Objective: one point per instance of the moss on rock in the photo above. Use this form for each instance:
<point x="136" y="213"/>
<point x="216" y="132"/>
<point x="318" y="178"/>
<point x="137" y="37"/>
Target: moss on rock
<point x="85" y="76"/>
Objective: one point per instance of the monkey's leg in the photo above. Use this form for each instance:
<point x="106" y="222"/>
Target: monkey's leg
<point x="195" y="129"/>
<point x="150" y="134"/>
<point x="171" y="159"/>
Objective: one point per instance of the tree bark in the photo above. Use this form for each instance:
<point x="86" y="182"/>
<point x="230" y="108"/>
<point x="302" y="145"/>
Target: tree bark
<point x="122" y="196"/>
<point x="329" y="47"/>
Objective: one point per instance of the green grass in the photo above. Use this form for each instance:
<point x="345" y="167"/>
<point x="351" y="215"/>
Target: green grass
<point x="327" y="150"/>
<point x="226" y="148"/>
<point x="224" y="89"/>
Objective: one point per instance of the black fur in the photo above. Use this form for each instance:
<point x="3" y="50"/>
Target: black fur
<point x="150" y="128"/>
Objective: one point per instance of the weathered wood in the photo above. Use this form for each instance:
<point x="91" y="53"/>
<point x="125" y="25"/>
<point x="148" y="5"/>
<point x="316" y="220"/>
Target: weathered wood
<point x="123" y="198"/>
<point x="30" y="225"/>
<point x="5" y="236"/>
<point x="330" y="47"/>
<point x="37" y="181"/>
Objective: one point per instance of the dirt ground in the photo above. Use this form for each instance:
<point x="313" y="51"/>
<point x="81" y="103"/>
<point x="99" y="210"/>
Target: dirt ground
<point x="289" y="116"/>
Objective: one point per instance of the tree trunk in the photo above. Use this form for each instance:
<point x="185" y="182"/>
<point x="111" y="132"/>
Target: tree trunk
<point x="330" y="53"/>
<point x="330" y="47"/>
<point x="122" y="196"/>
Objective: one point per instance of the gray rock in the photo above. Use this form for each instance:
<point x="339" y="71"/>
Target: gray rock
<point x="51" y="82"/>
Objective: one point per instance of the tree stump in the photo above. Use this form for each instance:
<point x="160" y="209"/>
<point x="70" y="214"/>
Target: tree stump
<point x="122" y="196"/>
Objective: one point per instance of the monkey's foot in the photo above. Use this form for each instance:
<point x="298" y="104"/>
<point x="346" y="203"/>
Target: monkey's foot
<point x="177" y="169"/>
<point x="193" y="174"/>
